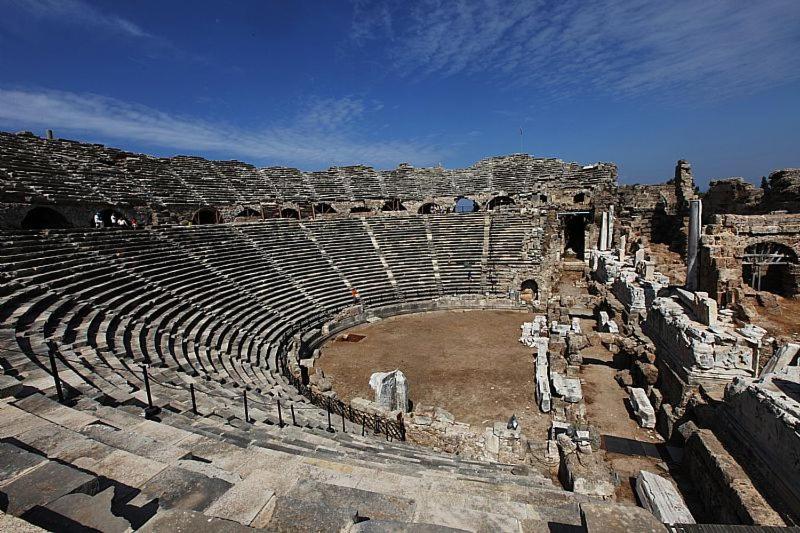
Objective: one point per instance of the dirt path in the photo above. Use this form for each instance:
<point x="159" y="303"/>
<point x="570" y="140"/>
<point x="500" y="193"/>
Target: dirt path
<point x="606" y="409"/>
<point x="468" y="362"/>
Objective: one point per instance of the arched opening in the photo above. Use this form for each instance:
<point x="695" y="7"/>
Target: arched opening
<point x="574" y="227"/>
<point x="207" y="215"/>
<point x="543" y="198"/>
<point x="110" y="218"/>
<point x="500" y="201"/>
<point x="466" y="205"/>
<point x="529" y="290"/>
<point x="44" y="218"/>
<point x="393" y="204"/>
<point x="324" y="209"/>
<point x="360" y="209"/>
<point x="249" y="212"/>
<point x="430" y="209"/>
<point x="288" y="212"/>
<point x="579" y="198"/>
<point x="766" y="266"/>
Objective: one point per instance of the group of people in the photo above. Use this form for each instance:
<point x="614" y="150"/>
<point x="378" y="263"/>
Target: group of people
<point x="116" y="221"/>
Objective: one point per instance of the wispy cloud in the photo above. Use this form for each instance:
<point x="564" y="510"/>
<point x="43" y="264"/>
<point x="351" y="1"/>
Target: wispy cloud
<point x="77" y="12"/>
<point x="712" y="48"/>
<point x="326" y="132"/>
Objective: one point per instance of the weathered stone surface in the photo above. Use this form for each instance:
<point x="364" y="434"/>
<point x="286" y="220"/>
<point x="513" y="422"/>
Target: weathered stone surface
<point x="245" y="499"/>
<point x="291" y="515"/>
<point x="184" y="521"/>
<point x="584" y="473"/>
<point x="659" y="496"/>
<point x="606" y="518"/>
<point x="93" y="512"/>
<point x="724" y="488"/>
<point x="9" y="386"/>
<point x="42" y="485"/>
<point x="368" y="504"/>
<point x="391" y="390"/>
<point x="644" y="412"/>
<point x="183" y="489"/>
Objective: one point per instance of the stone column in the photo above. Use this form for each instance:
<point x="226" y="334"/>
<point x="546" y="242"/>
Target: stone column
<point x="695" y="217"/>
<point x="610" y="237"/>
<point x="604" y="233"/>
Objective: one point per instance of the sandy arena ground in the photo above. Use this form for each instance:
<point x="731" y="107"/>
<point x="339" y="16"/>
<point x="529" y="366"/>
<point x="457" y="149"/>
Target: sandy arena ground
<point x="468" y="362"/>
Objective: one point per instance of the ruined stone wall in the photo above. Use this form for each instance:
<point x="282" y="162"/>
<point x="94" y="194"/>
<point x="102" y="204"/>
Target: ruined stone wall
<point x="724" y="242"/>
<point x="658" y="213"/>
<point x="731" y="196"/>
<point x="61" y="172"/>
<point x="779" y="192"/>
<point x="765" y="423"/>
<point x="724" y="488"/>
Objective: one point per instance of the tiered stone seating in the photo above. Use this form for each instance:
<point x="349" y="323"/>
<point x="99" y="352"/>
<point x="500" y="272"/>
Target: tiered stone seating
<point x="156" y="176"/>
<point x="202" y="307"/>
<point x="507" y="234"/>
<point x="23" y="160"/>
<point x="331" y="185"/>
<point x="364" y="182"/>
<point x="458" y="242"/>
<point x="202" y="176"/>
<point x="290" y="184"/>
<point x="348" y="244"/>
<point x="403" y="243"/>
<point x="285" y="242"/>
<point x="67" y="171"/>
<point x="250" y="184"/>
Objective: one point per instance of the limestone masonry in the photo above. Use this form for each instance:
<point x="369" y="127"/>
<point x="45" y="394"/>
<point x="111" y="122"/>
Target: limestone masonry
<point x="163" y="323"/>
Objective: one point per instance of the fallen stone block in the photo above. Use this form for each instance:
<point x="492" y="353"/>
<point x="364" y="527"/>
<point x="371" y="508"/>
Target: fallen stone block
<point x="645" y="414"/>
<point x="659" y="496"/>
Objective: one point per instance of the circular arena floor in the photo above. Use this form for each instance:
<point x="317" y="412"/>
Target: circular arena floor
<point x="468" y="362"/>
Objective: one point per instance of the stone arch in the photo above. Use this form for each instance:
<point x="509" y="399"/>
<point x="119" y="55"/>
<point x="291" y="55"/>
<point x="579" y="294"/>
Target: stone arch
<point x="106" y="214"/>
<point x="41" y="217"/>
<point x="429" y="208"/>
<point x="288" y="212"/>
<point x="770" y="266"/>
<point x="529" y="290"/>
<point x="324" y="208"/>
<point x="206" y="215"/>
<point x="248" y="212"/>
<point x="393" y="204"/>
<point x="466" y="205"/>
<point x="499" y="201"/>
<point x="579" y="198"/>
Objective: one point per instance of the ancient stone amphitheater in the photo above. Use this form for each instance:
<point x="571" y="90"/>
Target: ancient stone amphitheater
<point x="159" y="373"/>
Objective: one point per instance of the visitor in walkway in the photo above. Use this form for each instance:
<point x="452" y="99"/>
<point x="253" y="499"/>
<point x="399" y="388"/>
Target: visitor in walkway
<point x="113" y="219"/>
<point x="134" y="224"/>
<point x="98" y="220"/>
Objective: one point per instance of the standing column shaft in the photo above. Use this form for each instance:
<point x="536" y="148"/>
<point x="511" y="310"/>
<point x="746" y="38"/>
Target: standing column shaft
<point x="692" y="245"/>
<point x="604" y="233"/>
<point x="610" y="237"/>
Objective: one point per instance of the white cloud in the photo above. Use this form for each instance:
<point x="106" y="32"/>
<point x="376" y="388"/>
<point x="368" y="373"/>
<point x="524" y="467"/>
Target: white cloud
<point x="712" y="48"/>
<point x="326" y="133"/>
<point x="79" y="13"/>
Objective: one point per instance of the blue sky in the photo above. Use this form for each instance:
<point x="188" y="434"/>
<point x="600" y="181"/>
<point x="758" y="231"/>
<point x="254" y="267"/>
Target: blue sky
<point x="311" y="84"/>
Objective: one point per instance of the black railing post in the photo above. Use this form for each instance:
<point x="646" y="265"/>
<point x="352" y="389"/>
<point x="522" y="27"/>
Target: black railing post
<point x="147" y="386"/>
<point x="377" y="426"/>
<point x="280" y="415"/>
<point x="330" y="428"/>
<point x="344" y="430"/>
<point x="246" y="411"/>
<point x="194" y="400"/>
<point x="54" y="369"/>
<point x="294" y="420"/>
<point x="363" y="425"/>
